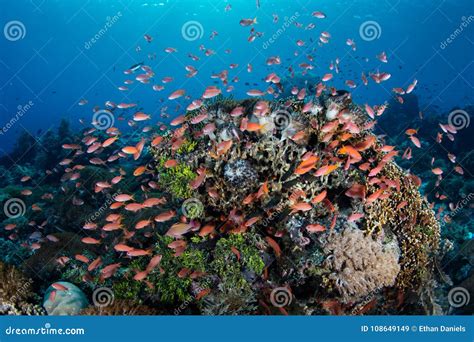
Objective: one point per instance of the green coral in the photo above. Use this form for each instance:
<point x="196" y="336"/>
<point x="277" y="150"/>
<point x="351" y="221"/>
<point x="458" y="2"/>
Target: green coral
<point x="249" y="254"/>
<point x="127" y="289"/>
<point x="230" y="270"/>
<point x="170" y="287"/>
<point x="227" y="266"/>
<point x="187" y="146"/>
<point x="176" y="179"/>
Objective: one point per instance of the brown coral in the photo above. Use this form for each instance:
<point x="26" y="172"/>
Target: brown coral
<point x="119" y="308"/>
<point x="16" y="293"/>
<point x="414" y="224"/>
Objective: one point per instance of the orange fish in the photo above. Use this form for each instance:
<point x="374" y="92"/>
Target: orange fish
<point x="80" y="257"/>
<point x="354" y="217"/>
<point x="301" y="206"/>
<point x="142" y="224"/>
<point x="166" y="216"/>
<point x="356" y="191"/>
<point x="140" y="275"/>
<point x="156" y="141"/>
<point x="109" y="141"/>
<point x="314" y="228"/>
<point x="251" y="221"/>
<point x="373" y="197"/>
<point x="170" y="163"/>
<point x="151" y="202"/>
<point x="415" y="141"/>
<point x="274" y="245"/>
<point x="223" y="147"/>
<point x="90" y="241"/>
<point x="59" y="287"/>
<point x="351" y="151"/>
<point x="325" y="170"/>
<point x="139" y="116"/>
<point x="206" y="230"/>
<point x="138" y="252"/>
<point x="134" y="207"/>
<point x="154" y="262"/>
<point x="319" y="197"/>
<point x="203" y="293"/>
<point x="93" y="265"/>
<point x="130" y="150"/>
<point x="139" y="171"/>
<point x="235" y="251"/>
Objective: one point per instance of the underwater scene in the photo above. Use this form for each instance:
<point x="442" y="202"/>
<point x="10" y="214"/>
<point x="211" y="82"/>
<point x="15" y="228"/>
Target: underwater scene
<point x="236" y="157"/>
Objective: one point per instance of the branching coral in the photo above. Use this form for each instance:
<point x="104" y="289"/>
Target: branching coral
<point x="176" y="180"/>
<point x="16" y="293"/>
<point x="407" y="214"/>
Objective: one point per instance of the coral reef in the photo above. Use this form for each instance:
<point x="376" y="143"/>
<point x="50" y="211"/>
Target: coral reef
<point x="359" y="265"/>
<point x="16" y="293"/>
<point x="119" y="308"/>
<point x="279" y="171"/>
<point x="240" y="198"/>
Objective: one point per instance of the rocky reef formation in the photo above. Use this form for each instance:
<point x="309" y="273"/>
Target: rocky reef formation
<point x="312" y="191"/>
<point x="242" y="207"/>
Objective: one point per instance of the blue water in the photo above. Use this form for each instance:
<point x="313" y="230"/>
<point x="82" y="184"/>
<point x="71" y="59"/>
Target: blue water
<point x="54" y="65"/>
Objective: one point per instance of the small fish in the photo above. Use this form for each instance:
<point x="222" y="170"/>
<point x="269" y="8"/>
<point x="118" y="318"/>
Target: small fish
<point x="318" y="14"/>
<point x="80" y="257"/>
<point x="90" y="241"/>
<point x="319" y="197"/>
<point x="415" y="141"/>
<point x="355" y="217"/>
<point x="140" y="116"/>
<point x="166" y="216"/>
<point x="248" y="22"/>
<point x="59" y="287"/>
<point x="274" y="245"/>
<point x="315" y="228"/>
<point x="176" y="94"/>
